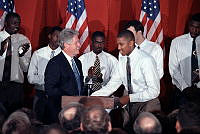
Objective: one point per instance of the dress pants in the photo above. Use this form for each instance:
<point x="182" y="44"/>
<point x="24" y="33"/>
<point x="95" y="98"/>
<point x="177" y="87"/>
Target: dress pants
<point x="40" y="105"/>
<point x="11" y="95"/>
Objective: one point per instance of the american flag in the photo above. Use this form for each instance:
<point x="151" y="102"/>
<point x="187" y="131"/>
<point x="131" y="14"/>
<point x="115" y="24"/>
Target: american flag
<point x="77" y="19"/>
<point x="5" y="7"/>
<point x="151" y="20"/>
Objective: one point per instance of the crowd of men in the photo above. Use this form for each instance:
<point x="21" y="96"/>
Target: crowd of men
<point x="56" y="71"/>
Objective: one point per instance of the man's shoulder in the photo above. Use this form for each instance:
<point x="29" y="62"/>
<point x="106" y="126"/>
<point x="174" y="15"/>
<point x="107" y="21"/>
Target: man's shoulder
<point x="109" y="55"/>
<point x="181" y="37"/>
<point x="144" y="55"/>
<point x="19" y="36"/>
<point x="85" y="55"/>
<point x="153" y="44"/>
<point x="41" y="50"/>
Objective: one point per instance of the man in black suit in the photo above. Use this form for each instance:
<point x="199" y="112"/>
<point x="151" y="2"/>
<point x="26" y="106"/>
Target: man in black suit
<point x="63" y="74"/>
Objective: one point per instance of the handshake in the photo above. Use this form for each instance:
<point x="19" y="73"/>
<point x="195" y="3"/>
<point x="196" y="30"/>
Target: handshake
<point x="96" y="77"/>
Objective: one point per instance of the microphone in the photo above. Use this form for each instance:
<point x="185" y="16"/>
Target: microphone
<point x="89" y="84"/>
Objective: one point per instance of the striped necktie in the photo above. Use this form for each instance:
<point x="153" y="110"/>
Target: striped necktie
<point x="97" y="72"/>
<point x="77" y="75"/>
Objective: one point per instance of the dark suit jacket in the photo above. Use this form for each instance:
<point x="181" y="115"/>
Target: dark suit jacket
<point x="60" y="80"/>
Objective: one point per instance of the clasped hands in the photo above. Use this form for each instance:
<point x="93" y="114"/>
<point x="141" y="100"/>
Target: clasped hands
<point x="93" y="76"/>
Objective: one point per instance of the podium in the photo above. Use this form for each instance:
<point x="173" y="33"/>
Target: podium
<point x="106" y="102"/>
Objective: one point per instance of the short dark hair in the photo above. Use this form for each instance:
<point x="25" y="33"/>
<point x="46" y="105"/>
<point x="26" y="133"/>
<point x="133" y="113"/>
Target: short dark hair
<point x="10" y="15"/>
<point x="136" y="24"/>
<point x="188" y="115"/>
<point x="97" y="34"/>
<point x="17" y="122"/>
<point x="98" y="123"/>
<point x="126" y="34"/>
<point x="196" y="17"/>
<point x="55" y="28"/>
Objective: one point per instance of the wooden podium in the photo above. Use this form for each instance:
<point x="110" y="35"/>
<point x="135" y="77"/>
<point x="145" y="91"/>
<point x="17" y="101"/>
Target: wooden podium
<point x="106" y="102"/>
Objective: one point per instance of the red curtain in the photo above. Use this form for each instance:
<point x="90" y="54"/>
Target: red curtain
<point x="104" y="15"/>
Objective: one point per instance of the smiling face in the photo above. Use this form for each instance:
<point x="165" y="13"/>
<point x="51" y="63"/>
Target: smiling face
<point x="125" y="47"/>
<point x="12" y="25"/>
<point x="73" y="48"/>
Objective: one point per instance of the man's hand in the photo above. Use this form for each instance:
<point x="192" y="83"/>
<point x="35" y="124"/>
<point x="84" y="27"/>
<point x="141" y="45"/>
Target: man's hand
<point x="24" y="48"/>
<point x="124" y="100"/>
<point x="91" y="71"/>
<point x="4" y="46"/>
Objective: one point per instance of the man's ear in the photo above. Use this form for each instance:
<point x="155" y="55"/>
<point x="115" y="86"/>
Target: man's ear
<point x="109" y="127"/>
<point x="178" y="127"/>
<point x="131" y="43"/>
<point x="49" y="36"/>
<point x="140" y="31"/>
<point x="81" y="127"/>
<point x="66" y="45"/>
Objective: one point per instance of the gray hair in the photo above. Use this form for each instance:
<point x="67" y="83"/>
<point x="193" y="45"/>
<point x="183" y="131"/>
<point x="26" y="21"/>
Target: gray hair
<point x="73" y="123"/>
<point x="140" y="127"/>
<point x="17" y="121"/>
<point x="66" y="36"/>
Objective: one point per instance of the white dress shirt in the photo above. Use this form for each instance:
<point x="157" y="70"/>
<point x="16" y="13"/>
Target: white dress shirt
<point x="156" y="52"/>
<point x="107" y="64"/>
<point x="18" y="64"/>
<point x="144" y="77"/>
<point x="38" y="65"/>
<point x="180" y="61"/>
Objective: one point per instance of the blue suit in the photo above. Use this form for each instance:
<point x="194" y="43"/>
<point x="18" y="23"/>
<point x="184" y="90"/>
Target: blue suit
<point x="60" y="81"/>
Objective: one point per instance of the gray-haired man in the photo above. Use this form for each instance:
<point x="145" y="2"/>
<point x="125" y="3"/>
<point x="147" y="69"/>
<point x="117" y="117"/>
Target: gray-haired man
<point x="63" y="74"/>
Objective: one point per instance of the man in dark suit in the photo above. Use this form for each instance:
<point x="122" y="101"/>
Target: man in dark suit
<point x="63" y="74"/>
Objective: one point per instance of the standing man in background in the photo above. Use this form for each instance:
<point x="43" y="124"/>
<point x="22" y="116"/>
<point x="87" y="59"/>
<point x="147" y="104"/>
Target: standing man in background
<point x="37" y="68"/>
<point x="149" y="47"/>
<point x="183" y="63"/>
<point x="15" y="55"/>
<point x="98" y="65"/>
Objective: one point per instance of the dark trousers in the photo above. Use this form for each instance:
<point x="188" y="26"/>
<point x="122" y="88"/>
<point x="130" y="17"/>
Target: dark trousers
<point x="40" y="106"/>
<point x="11" y="95"/>
<point x="54" y="107"/>
<point x="177" y="99"/>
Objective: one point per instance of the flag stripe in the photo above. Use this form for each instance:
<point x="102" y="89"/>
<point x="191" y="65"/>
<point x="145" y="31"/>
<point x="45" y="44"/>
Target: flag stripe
<point x="150" y="17"/>
<point x="76" y="18"/>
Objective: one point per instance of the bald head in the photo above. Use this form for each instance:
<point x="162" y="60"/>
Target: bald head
<point x="147" y="123"/>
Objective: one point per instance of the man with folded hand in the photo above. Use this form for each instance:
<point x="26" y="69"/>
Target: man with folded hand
<point x="15" y="54"/>
<point x="98" y="65"/>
